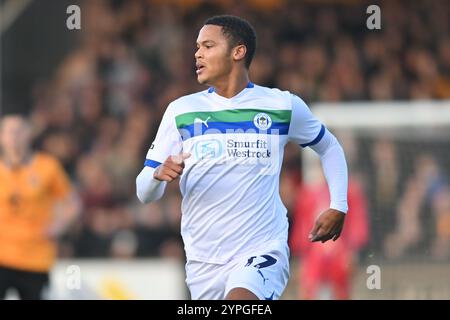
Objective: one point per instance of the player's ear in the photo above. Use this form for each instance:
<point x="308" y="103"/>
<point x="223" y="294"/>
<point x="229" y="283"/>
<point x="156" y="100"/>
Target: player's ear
<point x="239" y="52"/>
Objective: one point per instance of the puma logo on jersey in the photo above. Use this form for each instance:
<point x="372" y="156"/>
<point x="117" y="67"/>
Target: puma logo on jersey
<point x="197" y="120"/>
<point x="264" y="278"/>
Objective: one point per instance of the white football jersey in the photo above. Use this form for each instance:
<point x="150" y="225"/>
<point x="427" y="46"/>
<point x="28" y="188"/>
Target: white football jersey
<point x="230" y="184"/>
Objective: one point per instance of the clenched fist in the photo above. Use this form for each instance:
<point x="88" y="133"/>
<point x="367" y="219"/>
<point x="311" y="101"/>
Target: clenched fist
<point x="172" y="168"/>
<point x="327" y="226"/>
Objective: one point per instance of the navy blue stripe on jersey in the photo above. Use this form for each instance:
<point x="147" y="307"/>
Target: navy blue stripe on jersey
<point x="198" y="129"/>
<point x="317" y="139"/>
<point x="151" y="163"/>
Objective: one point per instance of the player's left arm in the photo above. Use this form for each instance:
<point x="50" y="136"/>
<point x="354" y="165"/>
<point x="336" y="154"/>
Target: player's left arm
<point x="67" y="203"/>
<point x="307" y="131"/>
<point x="67" y="210"/>
<point x="329" y="224"/>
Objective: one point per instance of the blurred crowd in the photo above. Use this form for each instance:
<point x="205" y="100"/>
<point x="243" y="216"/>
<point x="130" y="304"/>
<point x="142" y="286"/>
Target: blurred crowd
<point x="100" y="111"/>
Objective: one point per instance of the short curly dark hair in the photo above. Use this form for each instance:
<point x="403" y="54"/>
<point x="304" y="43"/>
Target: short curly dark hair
<point x="238" y="31"/>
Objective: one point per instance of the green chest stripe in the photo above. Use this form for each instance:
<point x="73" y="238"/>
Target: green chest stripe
<point x="234" y="115"/>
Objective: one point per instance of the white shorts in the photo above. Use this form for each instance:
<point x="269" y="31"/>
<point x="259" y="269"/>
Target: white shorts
<point x="265" y="272"/>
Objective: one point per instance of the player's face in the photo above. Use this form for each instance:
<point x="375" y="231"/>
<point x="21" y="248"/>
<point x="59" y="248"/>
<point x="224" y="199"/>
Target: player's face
<point x="14" y="134"/>
<point x="213" y="57"/>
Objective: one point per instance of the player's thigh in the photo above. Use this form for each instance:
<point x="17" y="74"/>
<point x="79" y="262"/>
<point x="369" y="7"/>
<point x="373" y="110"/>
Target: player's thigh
<point x="265" y="275"/>
<point x="205" y="281"/>
<point x="5" y="281"/>
<point x="31" y="285"/>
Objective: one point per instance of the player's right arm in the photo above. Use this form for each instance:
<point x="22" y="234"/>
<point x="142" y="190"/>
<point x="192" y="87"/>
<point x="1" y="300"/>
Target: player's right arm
<point x="160" y="166"/>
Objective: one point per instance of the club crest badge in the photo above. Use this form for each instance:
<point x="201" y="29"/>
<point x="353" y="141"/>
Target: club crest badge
<point x="262" y="121"/>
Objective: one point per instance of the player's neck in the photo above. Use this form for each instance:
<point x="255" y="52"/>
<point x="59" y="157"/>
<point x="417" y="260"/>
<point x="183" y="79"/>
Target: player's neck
<point x="233" y="84"/>
<point x="16" y="158"/>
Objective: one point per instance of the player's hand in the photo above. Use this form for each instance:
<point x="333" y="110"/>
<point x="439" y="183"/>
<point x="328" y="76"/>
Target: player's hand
<point x="327" y="226"/>
<point x="172" y="168"/>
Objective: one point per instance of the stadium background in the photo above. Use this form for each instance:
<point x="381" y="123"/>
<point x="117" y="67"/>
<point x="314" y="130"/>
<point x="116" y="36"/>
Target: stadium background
<point x="96" y="97"/>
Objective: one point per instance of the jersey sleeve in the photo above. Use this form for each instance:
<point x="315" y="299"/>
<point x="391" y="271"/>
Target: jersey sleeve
<point x="305" y="129"/>
<point x="167" y="141"/>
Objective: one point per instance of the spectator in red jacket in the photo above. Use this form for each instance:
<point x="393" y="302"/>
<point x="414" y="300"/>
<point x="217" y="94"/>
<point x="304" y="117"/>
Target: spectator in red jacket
<point x="329" y="263"/>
